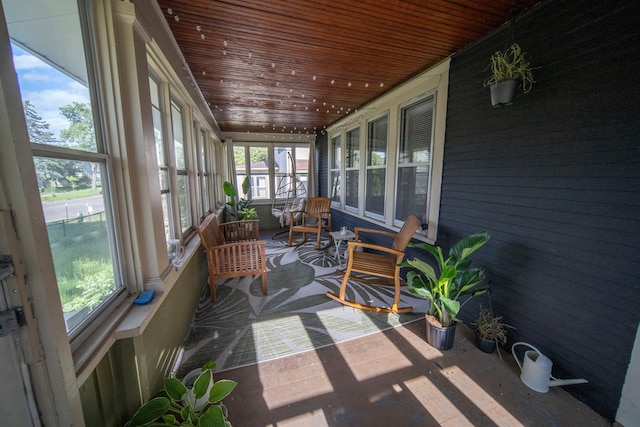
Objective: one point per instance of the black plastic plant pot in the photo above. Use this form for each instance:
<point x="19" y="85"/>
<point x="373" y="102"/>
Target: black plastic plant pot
<point x="502" y="93"/>
<point x="441" y="338"/>
<point x="488" y="346"/>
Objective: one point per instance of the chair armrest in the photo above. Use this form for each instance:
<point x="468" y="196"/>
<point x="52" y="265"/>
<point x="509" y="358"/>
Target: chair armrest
<point x="353" y="245"/>
<point x="358" y="230"/>
<point x="233" y="245"/>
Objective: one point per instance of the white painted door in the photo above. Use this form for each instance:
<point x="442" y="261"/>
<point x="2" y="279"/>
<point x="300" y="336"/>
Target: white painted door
<point x="17" y="404"/>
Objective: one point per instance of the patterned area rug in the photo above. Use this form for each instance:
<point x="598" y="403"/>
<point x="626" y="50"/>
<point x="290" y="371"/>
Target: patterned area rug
<point x="244" y="327"/>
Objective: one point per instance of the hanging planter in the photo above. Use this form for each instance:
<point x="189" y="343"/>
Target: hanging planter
<point x="503" y="92"/>
<point x="509" y="69"/>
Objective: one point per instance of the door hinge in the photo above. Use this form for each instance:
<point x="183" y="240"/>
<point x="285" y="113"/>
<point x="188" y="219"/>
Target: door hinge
<point x="6" y="266"/>
<point x="11" y="320"/>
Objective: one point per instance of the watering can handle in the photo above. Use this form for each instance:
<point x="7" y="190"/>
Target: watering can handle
<point x="513" y="351"/>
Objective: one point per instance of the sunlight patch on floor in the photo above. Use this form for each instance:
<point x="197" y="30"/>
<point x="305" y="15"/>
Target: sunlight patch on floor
<point x="435" y="402"/>
<point x="479" y="397"/>
<point x="364" y="368"/>
<point x="315" y="418"/>
<point x="302" y="378"/>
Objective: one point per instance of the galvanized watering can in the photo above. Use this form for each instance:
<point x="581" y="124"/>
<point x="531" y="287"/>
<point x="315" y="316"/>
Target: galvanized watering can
<point x="536" y="370"/>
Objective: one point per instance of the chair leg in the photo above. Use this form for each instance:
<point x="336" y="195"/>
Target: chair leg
<point x="212" y="287"/>
<point x="264" y="283"/>
<point x="395" y="307"/>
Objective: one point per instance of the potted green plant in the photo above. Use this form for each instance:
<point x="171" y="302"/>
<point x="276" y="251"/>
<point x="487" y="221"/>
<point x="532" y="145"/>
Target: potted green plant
<point x="181" y="405"/>
<point x="448" y="289"/>
<point x="490" y="331"/>
<point x="240" y="207"/>
<point x="509" y="69"/>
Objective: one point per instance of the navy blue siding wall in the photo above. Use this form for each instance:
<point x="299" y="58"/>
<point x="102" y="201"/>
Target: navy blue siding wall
<point x="555" y="179"/>
<point x="322" y="162"/>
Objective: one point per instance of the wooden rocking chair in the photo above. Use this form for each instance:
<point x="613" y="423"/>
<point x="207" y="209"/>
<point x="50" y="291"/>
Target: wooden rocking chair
<point x="316" y="217"/>
<point x="379" y="261"/>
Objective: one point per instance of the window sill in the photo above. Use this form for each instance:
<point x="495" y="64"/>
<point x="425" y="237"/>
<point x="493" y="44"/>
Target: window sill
<point x="128" y="320"/>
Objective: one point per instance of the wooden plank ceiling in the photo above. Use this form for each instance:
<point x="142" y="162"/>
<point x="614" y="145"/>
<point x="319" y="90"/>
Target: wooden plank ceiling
<point x="296" y="66"/>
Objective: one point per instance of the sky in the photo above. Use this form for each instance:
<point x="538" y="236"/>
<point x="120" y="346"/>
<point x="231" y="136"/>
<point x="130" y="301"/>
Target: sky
<point x="46" y="89"/>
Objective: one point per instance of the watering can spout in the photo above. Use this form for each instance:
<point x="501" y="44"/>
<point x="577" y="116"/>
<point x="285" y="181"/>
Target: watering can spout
<point x="536" y="370"/>
<point x="556" y="382"/>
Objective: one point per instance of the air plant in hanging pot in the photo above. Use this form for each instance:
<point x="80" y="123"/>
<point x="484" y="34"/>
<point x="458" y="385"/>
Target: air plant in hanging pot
<point x="509" y="70"/>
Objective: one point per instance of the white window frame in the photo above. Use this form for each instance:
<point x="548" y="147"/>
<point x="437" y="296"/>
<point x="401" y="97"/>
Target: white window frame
<point x="371" y="167"/>
<point x="348" y="167"/>
<point x="422" y="216"/>
<point x="274" y="177"/>
<point x="336" y="163"/>
<point x="432" y="81"/>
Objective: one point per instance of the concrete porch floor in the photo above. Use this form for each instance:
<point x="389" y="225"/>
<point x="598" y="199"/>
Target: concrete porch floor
<point x="394" y="378"/>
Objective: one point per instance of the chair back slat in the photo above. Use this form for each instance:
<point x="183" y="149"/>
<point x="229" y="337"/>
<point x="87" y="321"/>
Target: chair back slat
<point x="317" y="205"/>
<point x="210" y="233"/>
<point x="405" y="234"/>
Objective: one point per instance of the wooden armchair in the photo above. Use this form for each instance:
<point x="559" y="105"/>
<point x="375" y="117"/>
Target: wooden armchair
<point x="238" y="254"/>
<point x="379" y="261"/>
<point x="316" y="217"/>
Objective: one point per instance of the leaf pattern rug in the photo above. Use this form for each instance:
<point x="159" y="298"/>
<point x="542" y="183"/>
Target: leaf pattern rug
<point x="245" y="327"/>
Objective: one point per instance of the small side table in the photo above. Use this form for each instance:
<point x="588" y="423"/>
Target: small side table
<point x="338" y="238"/>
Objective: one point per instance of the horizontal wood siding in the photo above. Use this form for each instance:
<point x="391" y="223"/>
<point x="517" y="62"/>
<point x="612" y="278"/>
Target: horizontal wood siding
<point x="555" y="179"/>
<point x="322" y="164"/>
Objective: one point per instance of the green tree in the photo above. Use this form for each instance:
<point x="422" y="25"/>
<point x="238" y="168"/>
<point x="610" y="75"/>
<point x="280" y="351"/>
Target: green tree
<point x="80" y="134"/>
<point x="37" y="128"/>
<point x="49" y="172"/>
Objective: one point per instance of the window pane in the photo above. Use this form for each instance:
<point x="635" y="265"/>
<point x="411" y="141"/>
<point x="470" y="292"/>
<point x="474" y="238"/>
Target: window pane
<point x="302" y="165"/>
<point x="336" y="159"/>
<point x="178" y="136"/>
<point x="352" y="153"/>
<point x="183" y="202"/>
<point x="77" y="224"/>
<point x="166" y="214"/>
<point x="157" y="121"/>
<point x="415" y="143"/>
<point x="411" y="198"/>
<point x="375" y="190"/>
<point x="259" y="172"/>
<point x="241" y="168"/>
<point x="351" y="178"/>
<point x="377" y="142"/>
<point x="335" y="186"/>
<point x="414" y="160"/>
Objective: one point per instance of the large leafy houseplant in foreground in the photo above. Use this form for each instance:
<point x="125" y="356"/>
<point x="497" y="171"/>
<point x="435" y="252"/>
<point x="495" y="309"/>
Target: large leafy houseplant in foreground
<point x="179" y="405"/>
<point x="448" y="288"/>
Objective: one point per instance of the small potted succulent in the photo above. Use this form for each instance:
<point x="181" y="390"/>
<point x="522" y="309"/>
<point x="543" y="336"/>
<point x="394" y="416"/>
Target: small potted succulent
<point x="509" y="69"/>
<point x="490" y="330"/>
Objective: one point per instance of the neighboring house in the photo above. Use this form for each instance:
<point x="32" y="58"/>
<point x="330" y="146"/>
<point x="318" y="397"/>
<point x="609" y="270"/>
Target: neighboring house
<point x="554" y="179"/>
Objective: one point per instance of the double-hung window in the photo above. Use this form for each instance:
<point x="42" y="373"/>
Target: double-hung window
<point x="376" y="166"/>
<point x="414" y="160"/>
<point x="72" y="162"/>
<point x="352" y="168"/>
<point x="270" y="168"/>
<point x="336" y="162"/>
<point x="181" y="162"/>
<point x="161" y="153"/>
<point x="291" y="170"/>
<point x="253" y="161"/>
<point x="204" y="176"/>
